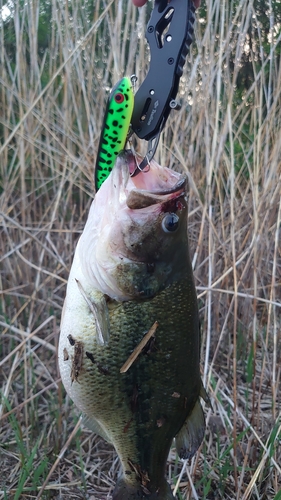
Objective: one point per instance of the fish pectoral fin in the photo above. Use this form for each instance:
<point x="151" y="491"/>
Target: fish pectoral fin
<point x="98" y="307"/>
<point x="191" y="434"/>
<point x="92" y="424"/>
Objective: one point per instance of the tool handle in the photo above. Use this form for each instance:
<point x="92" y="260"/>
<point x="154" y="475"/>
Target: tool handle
<point x="169" y="34"/>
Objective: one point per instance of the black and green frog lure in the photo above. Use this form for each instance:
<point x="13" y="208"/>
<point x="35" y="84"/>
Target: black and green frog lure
<point x="115" y="129"/>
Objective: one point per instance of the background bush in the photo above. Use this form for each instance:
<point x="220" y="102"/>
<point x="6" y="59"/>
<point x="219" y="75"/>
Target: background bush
<point x="58" y="61"/>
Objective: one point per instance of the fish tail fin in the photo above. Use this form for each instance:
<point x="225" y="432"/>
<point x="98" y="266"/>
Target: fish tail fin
<point x="192" y="432"/>
<point x="125" y="491"/>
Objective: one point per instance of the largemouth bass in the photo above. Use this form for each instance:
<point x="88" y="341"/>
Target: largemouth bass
<point x="132" y="279"/>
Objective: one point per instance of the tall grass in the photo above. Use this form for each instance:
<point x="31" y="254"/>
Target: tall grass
<point x="226" y="137"/>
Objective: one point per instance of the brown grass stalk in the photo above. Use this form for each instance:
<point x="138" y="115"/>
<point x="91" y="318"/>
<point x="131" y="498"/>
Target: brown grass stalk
<point x="56" y="71"/>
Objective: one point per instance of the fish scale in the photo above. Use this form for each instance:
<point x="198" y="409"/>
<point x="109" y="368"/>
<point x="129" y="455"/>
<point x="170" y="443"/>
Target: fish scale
<point x="139" y="411"/>
<point x="174" y="365"/>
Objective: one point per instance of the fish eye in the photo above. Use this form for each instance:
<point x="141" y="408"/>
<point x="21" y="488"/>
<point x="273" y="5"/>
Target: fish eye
<point x="170" y="223"/>
<point x="119" y="97"/>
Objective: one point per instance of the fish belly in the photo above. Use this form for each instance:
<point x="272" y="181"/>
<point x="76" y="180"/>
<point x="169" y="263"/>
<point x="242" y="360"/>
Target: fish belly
<point x="139" y="411"/>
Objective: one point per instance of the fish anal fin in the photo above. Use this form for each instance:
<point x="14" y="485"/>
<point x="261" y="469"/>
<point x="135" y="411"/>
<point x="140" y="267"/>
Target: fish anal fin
<point x="191" y="434"/>
<point x="92" y="424"/>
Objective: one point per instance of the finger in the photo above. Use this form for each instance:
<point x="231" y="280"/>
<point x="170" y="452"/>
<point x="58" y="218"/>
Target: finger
<point x="139" y="3"/>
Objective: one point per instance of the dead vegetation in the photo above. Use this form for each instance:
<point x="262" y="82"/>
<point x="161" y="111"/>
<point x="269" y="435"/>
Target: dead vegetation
<point x="227" y="139"/>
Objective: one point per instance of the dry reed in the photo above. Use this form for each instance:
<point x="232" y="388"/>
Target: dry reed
<point x="227" y="139"/>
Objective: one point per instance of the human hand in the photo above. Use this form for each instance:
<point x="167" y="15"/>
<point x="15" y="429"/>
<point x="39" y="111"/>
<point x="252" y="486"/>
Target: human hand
<point x="140" y="3"/>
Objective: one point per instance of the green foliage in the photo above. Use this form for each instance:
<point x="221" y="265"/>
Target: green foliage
<point x="278" y="496"/>
<point x="28" y="471"/>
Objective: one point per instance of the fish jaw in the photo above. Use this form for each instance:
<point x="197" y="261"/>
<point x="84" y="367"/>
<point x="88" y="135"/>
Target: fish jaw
<point x="135" y="238"/>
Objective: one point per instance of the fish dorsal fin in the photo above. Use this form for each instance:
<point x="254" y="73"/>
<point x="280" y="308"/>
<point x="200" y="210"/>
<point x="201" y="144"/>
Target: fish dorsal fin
<point x="191" y="434"/>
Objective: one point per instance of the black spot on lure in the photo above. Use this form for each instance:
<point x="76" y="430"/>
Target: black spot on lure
<point x="115" y="129"/>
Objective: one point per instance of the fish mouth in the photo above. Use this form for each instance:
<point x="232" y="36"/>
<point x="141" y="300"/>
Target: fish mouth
<point x="154" y="185"/>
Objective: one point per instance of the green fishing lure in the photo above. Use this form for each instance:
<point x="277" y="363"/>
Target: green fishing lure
<point x="115" y="129"/>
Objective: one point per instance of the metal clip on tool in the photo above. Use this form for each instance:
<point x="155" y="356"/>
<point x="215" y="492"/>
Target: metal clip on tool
<point x="169" y="34"/>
